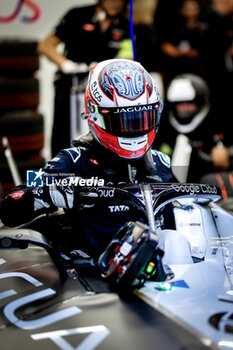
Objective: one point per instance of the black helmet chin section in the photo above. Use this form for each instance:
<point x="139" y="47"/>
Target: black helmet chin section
<point x="183" y="112"/>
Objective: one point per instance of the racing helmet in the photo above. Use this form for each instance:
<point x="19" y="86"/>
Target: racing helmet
<point x="123" y="107"/>
<point x="188" y="103"/>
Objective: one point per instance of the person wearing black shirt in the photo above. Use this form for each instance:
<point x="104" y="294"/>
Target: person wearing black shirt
<point x="182" y="41"/>
<point x="90" y="34"/>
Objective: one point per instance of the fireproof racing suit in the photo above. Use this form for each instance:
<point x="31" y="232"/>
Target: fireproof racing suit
<point x="93" y="224"/>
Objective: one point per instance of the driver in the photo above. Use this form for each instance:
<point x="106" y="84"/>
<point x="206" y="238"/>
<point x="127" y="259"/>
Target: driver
<point x="122" y="108"/>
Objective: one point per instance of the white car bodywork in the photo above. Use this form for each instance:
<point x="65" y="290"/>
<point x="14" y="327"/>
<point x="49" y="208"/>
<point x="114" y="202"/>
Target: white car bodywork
<point x="200" y="295"/>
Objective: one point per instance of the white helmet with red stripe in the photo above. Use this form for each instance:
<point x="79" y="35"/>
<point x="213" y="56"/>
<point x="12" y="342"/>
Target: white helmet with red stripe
<point x="123" y="107"/>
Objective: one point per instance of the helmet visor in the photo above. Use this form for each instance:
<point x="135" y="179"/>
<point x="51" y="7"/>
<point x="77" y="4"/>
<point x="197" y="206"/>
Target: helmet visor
<point x="129" y="121"/>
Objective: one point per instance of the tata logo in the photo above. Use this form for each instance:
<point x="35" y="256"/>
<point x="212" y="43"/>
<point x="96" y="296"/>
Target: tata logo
<point x="19" y="6"/>
<point x="116" y="208"/>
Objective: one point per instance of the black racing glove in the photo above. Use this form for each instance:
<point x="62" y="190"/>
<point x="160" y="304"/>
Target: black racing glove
<point x="17" y="207"/>
<point x="24" y="204"/>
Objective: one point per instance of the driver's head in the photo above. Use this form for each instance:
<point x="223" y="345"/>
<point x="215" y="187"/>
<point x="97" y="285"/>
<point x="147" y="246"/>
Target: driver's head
<point x="188" y="101"/>
<point x="123" y="107"/>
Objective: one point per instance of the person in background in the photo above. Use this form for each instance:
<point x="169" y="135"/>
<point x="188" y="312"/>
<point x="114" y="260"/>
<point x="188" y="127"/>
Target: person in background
<point x="145" y="36"/>
<point x="219" y="62"/>
<point x="182" y="40"/>
<point x="219" y="74"/>
<point x="89" y="34"/>
<point x="188" y="112"/>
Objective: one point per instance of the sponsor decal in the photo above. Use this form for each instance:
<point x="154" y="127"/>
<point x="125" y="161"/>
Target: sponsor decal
<point x="17" y="195"/>
<point x="106" y="193"/>
<point x="133" y="109"/>
<point x="19" y="6"/>
<point x="95" y="92"/>
<point x="91" y="107"/>
<point x="97" y="95"/>
<point x="94" y="161"/>
<point x="180" y="283"/>
<point x="95" y="335"/>
<point x="104" y="111"/>
<point x="133" y="154"/>
<point x="182" y="224"/>
<point x="194" y="189"/>
<point x="167" y="286"/>
<point x="116" y="208"/>
<point x="117" y="34"/>
<point x="88" y="27"/>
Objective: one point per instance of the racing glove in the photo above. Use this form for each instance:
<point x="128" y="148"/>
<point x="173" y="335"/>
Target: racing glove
<point x="62" y="196"/>
<point x="70" y="67"/>
<point x="18" y="207"/>
<point x="54" y="196"/>
<point x="24" y="204"/>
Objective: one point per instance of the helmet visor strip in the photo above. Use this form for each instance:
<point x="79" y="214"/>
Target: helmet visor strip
<point x="129" y="121"/>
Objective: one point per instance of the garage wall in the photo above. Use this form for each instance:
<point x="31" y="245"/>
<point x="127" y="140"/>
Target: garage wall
<point x="33" y="19"/>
